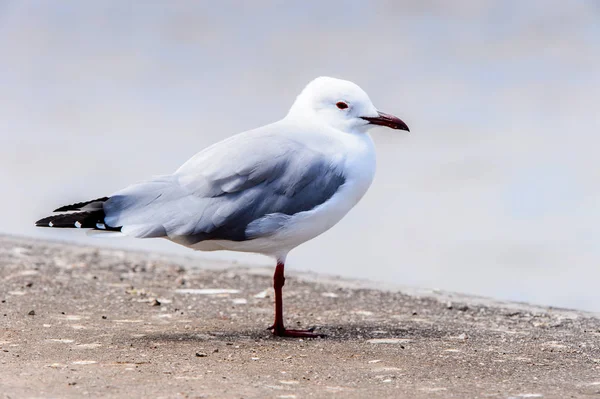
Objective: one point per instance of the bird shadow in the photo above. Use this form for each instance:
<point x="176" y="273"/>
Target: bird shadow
<point x="336" y="333"/>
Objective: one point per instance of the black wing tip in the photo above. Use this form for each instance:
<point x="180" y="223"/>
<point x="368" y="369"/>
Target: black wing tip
<point x="73" y="220"/>
<point x="45" y="222"/>
<point x="79" y="205"/>
<point x="80" y="220"/>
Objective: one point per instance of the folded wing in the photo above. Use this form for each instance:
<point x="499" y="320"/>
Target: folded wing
<point x="243" y="188"/>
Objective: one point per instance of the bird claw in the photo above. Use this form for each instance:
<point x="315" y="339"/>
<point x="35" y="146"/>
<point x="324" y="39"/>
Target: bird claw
<point x="284" y="332"/>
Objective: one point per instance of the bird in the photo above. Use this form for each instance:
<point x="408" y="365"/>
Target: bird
<point x="266" y="190"/>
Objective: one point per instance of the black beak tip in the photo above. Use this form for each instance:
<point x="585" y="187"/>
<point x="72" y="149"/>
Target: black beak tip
<point x="403" y="126"/>
<point x="388" y="120"/>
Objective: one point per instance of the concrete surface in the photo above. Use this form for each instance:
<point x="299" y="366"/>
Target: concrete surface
<point x="79" y="321"/>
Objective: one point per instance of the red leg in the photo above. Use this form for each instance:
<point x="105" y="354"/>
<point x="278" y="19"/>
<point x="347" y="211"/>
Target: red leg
<point x="278" y="327"/>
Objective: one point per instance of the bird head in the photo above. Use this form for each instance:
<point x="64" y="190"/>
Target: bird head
<point x="342" y="105"/>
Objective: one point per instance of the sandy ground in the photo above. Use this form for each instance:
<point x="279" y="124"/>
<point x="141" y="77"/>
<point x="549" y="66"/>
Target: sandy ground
<point x="79" y="321"/>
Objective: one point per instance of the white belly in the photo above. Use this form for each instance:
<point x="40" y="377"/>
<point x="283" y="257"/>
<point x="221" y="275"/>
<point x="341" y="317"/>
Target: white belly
<point x="359" y="170"/>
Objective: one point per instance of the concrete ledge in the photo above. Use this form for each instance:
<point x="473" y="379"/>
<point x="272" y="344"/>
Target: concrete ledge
<point x="78" y="321"/>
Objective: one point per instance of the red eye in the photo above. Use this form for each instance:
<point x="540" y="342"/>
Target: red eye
<point x="342" y="105"/>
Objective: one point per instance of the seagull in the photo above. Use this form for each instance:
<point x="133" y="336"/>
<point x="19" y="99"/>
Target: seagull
<point x="265" y="191"/>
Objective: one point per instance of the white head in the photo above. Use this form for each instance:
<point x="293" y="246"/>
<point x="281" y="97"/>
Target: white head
<point x="342" y="105"/>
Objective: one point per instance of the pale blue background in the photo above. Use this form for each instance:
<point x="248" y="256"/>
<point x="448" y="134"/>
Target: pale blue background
<point x="495" y="192"/>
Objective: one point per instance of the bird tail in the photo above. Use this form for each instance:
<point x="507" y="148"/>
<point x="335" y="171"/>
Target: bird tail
<point x="83" y="215"/>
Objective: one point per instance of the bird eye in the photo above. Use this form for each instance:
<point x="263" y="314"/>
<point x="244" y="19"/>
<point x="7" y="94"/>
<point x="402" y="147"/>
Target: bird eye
<point x="341" y="105"/>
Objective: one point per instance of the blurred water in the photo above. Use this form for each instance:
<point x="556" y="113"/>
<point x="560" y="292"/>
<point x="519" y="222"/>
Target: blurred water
<point x="495" y="191"/>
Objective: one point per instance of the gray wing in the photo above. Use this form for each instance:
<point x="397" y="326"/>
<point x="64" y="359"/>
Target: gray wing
<point x="242" y="188"/>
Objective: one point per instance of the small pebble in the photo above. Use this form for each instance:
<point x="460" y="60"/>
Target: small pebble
<point x="31" y="313"/>
<point x="262" y="294"/>
<point x="200" y="354"/>
<point x="155" y="302"/>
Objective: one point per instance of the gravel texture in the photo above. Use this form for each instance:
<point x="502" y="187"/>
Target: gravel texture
<point x="80" y="321"/>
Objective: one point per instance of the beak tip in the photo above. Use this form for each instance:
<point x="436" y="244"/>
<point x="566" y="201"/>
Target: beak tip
<point x="388" y="121"/>
<point x="400" y="124"/>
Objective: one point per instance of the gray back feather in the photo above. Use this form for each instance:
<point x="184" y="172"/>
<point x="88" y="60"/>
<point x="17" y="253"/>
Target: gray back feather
<point x="239" y="189"/>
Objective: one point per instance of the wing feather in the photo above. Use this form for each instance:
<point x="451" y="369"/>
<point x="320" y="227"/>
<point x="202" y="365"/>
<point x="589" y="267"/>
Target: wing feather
<point x="242" y="188"/>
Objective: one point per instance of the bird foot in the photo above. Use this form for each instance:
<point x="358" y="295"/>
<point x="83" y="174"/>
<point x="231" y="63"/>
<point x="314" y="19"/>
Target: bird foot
<point x="284" y="332"/>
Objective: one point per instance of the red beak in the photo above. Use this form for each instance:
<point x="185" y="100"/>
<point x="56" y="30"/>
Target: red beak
<point x="387" y="120"/>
